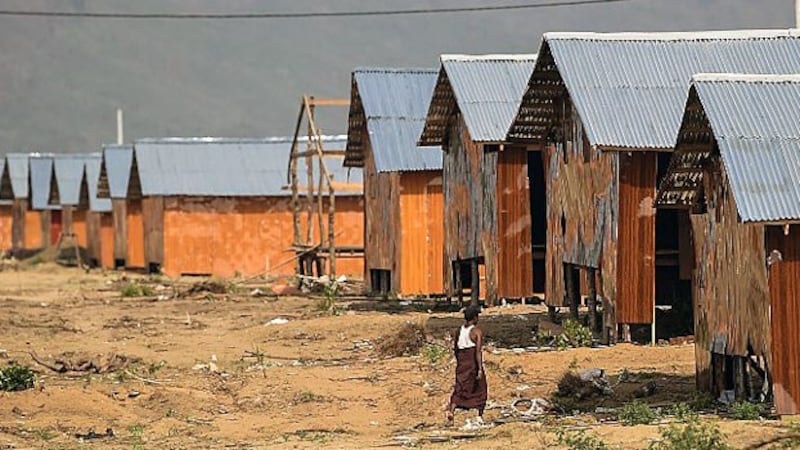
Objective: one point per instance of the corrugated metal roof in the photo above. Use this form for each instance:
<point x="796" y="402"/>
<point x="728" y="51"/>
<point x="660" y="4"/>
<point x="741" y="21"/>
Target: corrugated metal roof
<point x="756" y="123"/>
<point x="90" y="176"/>
<point x="18" y="173"/>
<point x="629" y="88"/>
<point x="41" y="172"/>
<point x="394" y="103"/>
<point x="487" y="89"/>
<point x="230" y="167"/>
<point x="68" y="172"/>
<point x="115" y="171"/>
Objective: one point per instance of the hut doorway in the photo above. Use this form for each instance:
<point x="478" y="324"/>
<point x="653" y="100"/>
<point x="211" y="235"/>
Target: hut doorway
<point x="469" y="279"/>
<point x="538" y="209"/>
<point x="674" y="266"/>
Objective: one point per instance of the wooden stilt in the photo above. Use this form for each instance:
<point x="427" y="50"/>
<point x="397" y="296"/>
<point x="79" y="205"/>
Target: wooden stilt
<point x="593" y="322"/>
<point x="475" y="278"/>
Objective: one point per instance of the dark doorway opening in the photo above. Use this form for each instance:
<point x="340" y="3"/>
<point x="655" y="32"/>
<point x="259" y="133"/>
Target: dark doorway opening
<point x="674" y="264"/>
<point x="380" y="281"/>
<point x="538" y="207"/>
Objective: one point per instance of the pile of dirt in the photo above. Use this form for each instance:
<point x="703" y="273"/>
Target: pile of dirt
<point x="206" y="287"/>
<point x="405" y="341"/>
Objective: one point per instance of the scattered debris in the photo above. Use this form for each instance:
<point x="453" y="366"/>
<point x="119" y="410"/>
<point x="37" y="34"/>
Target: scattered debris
<point x="278" y="321"/>
<point x="206" y="287"/>
<point x="91" y="435"/>
<point x="527" y="407"/>
<point x="406" y="341"/>
<point x="72" y="363"/>
<point x="646" y="390"/>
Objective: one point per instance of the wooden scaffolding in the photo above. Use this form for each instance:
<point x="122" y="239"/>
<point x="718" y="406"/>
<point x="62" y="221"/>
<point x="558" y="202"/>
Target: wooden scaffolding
<point x="311" y="248"/>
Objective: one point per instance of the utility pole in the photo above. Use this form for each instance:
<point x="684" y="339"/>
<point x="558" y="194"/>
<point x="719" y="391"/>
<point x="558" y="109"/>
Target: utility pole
<point x="120" y="138"/>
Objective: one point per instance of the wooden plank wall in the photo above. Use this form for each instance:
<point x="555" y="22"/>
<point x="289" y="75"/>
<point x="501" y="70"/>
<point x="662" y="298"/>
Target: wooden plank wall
<point x="32" y="235"/>
<point x="106" y="241"/>
<point x="784" y="290"/>
<point x="203" y="235"/>
<point x="470" y="198"/>
<point x="731" y="296"/>
<point x="49" y="228"/>
<point x="381" y="219"/>
<point x="18" y="209"/>
<point x="422" y="234"/>
<point x="119" y="218"/>
<point x="153" y="224"/>
<point x="636" y="285"/>
<point x="93" y="237"/>
<point x="582" y="192"/>
<point x="515" y="260"/>
<point x="79" y="226"/>
<point x="135" y="235"/>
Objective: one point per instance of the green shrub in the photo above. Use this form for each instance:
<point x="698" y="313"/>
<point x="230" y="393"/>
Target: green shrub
<point x="579" y="440"/>
<point x="683" y="412"/>
<point x="744" y="410"/>
<point x="136" y="290"/>
<point x="576" y="334"/>
<point x="16" y="378"/>
<point x="703" y="401"/>
<point x="636" y="413"/>
<point x="694" y="435"/>
<point x="434" y="354"/>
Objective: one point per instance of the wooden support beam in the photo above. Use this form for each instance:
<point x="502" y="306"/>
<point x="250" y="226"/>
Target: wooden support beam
<point x="591" y="278"/>
<point x="475" y="279"/>
<point x="314" y="153"/>
<point x="313" y="101"/>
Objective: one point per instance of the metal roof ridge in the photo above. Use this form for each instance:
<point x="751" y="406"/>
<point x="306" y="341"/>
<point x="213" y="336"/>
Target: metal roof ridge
<point x="741" y="34"/>
<point x="499" y="57"/>
<point x="745" y="78"/>
<point x="376" y="69"/>
<point x="229" y="140"/>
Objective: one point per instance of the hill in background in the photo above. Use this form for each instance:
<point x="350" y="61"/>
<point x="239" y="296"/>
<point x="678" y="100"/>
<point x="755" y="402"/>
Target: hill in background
<point x="61" y="80"/>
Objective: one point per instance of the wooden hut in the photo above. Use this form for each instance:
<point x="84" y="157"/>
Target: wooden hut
<point x="6" y="217"/>
<point x="487" y="221"/>
<point x="42" y="220"/>
<point x="214" y="206"/>
<point x="65" y="188"/>
<point x="29" y="230"/>
<point x="115" y="172"/>
<point x="99" y="219"/>
<point x="403" y="242"/>
<point x="607" y="108"/>
<point x="735" y="171"/>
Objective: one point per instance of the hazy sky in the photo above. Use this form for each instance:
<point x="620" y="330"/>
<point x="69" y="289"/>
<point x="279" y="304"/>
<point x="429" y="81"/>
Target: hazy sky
<point x="61" y="80"/>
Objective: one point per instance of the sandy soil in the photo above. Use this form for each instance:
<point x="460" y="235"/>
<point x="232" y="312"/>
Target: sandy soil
<point x="213" y="373"/>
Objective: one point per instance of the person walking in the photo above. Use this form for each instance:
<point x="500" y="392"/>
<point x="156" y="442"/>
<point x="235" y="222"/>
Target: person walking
<point x="470" y="390"/>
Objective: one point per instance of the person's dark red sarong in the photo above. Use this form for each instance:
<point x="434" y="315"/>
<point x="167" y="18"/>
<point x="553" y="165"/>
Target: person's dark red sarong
<point x="469" y="392"/>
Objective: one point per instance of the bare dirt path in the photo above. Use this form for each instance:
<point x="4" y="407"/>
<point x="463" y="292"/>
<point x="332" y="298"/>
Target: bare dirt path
<point x="211" y="371"/>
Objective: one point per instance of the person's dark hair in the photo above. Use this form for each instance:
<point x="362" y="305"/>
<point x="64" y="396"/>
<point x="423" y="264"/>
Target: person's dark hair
<point x="471" y="312"/>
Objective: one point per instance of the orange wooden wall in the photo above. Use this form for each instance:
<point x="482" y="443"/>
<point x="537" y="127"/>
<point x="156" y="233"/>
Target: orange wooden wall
<point x="784" y="291"/>
<point x="135" y="257"/>
<point x="79" y="226"/>
<point x="106" y="241"/>
<point x="636" y="284"/>
<point x="33" y="229"/>
<point x="249" y="236"/>
<point x="515" y="260"/>
<point x="422" y="233"/>
<point x="5" y="227"/>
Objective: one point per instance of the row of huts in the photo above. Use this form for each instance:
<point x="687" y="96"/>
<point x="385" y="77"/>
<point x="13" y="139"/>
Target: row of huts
<point x="644" y="171"/>
<point x="181" y="206"/>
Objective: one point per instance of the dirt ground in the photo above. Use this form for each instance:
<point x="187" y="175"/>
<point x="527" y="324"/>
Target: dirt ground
<point x="216" y="371"/>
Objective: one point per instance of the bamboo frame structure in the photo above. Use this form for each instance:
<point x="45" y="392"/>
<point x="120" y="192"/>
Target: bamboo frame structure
<point x="311" y="249"/>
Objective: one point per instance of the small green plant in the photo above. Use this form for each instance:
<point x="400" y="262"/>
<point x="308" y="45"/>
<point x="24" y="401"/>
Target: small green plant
<point x="136" y="290"/>
<point x="579" y="440"/>
<point x="434" y="354"/>
<point x="153" y="368"/>
<point x="44" y="434"/>
<point x="703" y="401"/>
<point x="636" y="413"/>
<point x="744" y="410"/>
<point x="577" y="335"/>
<point x="683" y="412"/>
<point x="136" y="432"/>
<point x="16" y="378"/>
<point x="327" y="303"/>
<point x="694" y="435"/>
<point x="307" y="397"/>
<point x="172" y="412"/>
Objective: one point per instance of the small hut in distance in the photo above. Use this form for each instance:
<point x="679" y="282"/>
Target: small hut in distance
<point x="200" y="196"/>
<point x="487" y="217"/>
<point x="115" y="172"/>
<point x="402" y="183"/>
<point x="735" y="171"/>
